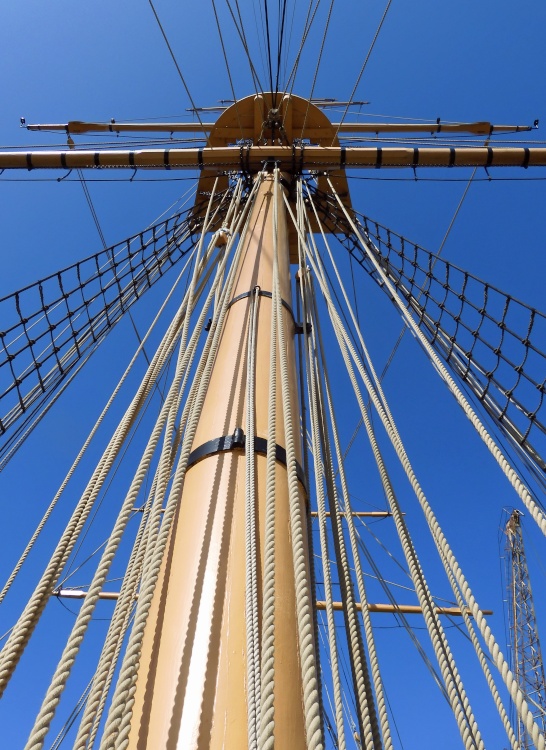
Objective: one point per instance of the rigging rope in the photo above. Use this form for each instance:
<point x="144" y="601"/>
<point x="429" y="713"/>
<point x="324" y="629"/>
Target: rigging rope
<point x="75" y="639"/>
<point x="195" y="110"/>
<point x="266" y="739"/>
<point x="348" y="515"/>
<point x="369" y="729"/>
<point x="491" y="340"/>
<point x="319" y="490"/>
<point x="88" y="440"/>
<point x="119" y="716"/>
<point x="459" y="702"/>
<point x="242" y="37"/>
<point x="363" y="68"/>
<point x="227" y="67"/>
<point x="317" y="67"/>
<point x="443" y="548"/>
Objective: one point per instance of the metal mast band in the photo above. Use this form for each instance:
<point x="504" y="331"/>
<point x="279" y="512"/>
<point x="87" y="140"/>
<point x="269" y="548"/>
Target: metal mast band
<point x="237" y="441"/>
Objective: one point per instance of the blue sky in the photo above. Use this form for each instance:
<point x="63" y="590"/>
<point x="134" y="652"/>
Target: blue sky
<point x="455" y="60"/>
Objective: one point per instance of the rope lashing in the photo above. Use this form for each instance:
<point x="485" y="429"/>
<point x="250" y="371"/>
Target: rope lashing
<point x="492" y="341"/>
<point x="119" y="717"/>
<point x="325" y="556"/>
<point x="251" y="554"/>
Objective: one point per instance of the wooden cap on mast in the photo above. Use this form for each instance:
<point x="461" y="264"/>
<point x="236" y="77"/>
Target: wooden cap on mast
<point x="258" y="121"/>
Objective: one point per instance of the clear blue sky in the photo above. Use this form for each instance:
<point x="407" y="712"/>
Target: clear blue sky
<point x="460" y="61"/>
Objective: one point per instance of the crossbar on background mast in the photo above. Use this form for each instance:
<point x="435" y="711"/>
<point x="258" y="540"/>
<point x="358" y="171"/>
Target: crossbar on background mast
<point x="287" y="158"/>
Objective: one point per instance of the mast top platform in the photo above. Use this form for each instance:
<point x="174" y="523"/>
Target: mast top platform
<point x="267" y="119"/>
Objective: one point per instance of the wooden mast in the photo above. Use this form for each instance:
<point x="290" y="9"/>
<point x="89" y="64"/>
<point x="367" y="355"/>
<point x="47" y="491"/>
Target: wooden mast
<point x="192" y="680"/>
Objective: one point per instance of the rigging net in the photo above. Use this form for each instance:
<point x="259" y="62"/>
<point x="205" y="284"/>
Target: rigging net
<point x="50" y="326"/>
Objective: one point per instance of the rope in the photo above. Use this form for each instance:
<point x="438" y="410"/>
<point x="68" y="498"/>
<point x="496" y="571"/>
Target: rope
<point x="15" y="645"/>
<point x="459" y="702"/>
<point x="116" y="633"/>
<point x="467" y="620"/>
<point x="242" y="37"/>
<point x="317" y="67"/>
<point x="359" y="666"/>
<point x="268" y="39"/>
<point x="441" y="542"/>
<point x="227" y="68"/>
<point x="404" y="329"/>
<point x="438" y="536"/>
<point x="119" y="717"/>
<point x="325" y="557"/>
<point x="279" y="51"/>
<point x="60" y="319"/>
<point x="251" y="591"/>
<point x="311" y="13"/>
<point x="195" y="110"/>
<point x="362" y="69"/>
<point x="483" y="663"/>
<point x="304" y="612"/>
<point x="457" y="698"/>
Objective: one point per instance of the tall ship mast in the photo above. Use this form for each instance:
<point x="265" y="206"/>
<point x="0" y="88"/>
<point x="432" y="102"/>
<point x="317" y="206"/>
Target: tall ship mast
<point x="213" y="539"/>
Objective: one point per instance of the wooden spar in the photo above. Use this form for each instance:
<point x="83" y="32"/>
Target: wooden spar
<point x="252" y="158"/>
<point x="192" y="679"/>
<point x="77" y="127"/>
<point x="361" y="513"/>
<point x="406" y="609"/>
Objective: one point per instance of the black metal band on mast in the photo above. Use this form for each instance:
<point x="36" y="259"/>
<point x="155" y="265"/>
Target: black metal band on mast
<point x="237" y="441"/>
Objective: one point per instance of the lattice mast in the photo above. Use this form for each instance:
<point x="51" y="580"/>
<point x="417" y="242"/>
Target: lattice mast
<point x="527" y="663"/>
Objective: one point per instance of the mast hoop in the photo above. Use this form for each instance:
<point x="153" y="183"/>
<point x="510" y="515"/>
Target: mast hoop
<point x="237" y="441"/>
<point x="262" y="293"/>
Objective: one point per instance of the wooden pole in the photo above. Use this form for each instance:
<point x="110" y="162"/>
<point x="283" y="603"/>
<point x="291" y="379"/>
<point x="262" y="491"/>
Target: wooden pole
<point x="192" y="678"/>
<point x="287" y="158"/>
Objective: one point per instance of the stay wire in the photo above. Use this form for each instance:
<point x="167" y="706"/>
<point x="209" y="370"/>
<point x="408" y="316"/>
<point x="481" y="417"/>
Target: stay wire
<point x="266" y="11"/>
<point x="317" y="66"/>
<point x="242" y="36"/>
<point x="363" y="68"/>
<point x="279" y="48"/>
<point x="260" y="34"/>
<point x="105" y="246"/>
<point x="287" y="47"/>
<point x="176" y="63"/>
<point x="311" y="13"/>
<point x="227" y="68"/>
